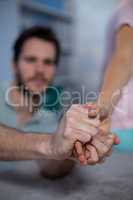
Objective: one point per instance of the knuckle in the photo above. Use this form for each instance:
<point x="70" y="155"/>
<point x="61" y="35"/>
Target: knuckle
<point x="82" y="138"/>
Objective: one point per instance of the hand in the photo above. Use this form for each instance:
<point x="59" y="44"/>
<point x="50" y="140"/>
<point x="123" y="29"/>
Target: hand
<point x="102" y="114"/>
<point x="97" y="150"/>
<point x="100" y="148"/>
<point x="75" y="126"/>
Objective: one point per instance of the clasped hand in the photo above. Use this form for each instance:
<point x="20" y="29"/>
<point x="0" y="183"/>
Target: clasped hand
<point x="101" y="143"/>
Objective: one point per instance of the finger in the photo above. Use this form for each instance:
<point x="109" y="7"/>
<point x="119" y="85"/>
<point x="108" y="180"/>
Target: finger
<point x="80" y="135"/>
<point x="116" y="139"/>
<point x="101" y="148"/>
<point x="87" y="156"/>
<point x="79" y="148"/>
<point x="83" y="110"/>
<point x="79" y="108"/>
<point x="85" y="130"/>
<point x="103" y="145"/>
<point x="82" y="159"/>
<point x="77" y="157"/>
<point x="103" y="158"/>
<point x="95" y="122"/>
<point x="80" y="151"/>
<point x="93" y="155"/>
<point x="108" y="140"/>
<point x="79" y="117"/>
<point x="81" y="122"/>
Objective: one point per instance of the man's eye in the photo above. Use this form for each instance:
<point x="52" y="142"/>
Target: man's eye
<point x="49" y="62"/>
<point x="30" y="59"/>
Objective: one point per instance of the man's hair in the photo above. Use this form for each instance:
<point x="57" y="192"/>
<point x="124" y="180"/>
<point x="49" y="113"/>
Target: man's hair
<point x="40" y="32"/>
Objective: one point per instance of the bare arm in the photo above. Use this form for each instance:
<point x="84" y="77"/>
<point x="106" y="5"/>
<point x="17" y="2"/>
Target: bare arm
<point x="119" y="70"/>
<point x="15" y="145"/>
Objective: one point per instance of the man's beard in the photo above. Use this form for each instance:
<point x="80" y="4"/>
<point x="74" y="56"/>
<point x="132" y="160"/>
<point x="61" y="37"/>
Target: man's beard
<point x="30" y="95"/>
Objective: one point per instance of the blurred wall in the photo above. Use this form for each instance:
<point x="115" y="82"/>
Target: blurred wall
<point x="16" y="15"/>
<point x="80" y="25"/>
<point x="91" y="17"/>
<point x="8" y="30"/>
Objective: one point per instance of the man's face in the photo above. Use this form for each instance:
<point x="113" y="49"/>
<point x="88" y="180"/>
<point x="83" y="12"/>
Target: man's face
<point x="36" y="68"/>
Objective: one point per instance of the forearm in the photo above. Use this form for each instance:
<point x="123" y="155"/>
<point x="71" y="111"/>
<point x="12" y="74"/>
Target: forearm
<point x="116" y="77"/>
<point x="119" y="70"/>
<point x="16" y="145"/>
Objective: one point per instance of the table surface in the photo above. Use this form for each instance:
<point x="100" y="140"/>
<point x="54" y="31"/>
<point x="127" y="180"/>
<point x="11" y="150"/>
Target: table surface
<point x="112" y="180"/>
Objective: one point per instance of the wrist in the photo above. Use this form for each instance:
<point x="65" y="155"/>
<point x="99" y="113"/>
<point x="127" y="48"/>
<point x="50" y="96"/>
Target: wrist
<point x="107" y="100"/>
<point x="44" y="147"/>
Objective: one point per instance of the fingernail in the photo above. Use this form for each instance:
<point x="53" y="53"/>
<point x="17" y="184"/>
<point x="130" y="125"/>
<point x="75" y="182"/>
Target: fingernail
<point x="117" y="141"/>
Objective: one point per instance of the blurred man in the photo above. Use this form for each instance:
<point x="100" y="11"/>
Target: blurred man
<point x="22" y="110"/>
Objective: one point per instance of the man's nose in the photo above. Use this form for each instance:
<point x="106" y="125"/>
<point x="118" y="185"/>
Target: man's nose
<point x="40" y="67"/>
